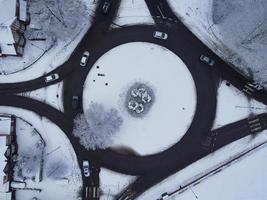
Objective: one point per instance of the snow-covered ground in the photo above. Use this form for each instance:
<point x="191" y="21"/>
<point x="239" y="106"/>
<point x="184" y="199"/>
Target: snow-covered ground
<point x="63" y="29"/>
<point x="235" y="30"/>
<point x="30" y="149"/>
<point x="61" y="173"/>
<point x="229" y="183"/>
<point x="161" y="70"/>
<point x="245" y="178"/>
<point x="133" y="12"/>
<point x="112" y="183"/>
<point x="233" y="105"/>
<point x="51" y="95"/>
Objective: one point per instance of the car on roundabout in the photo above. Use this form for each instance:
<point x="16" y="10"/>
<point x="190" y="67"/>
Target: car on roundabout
<point x="106" y="8"/>
<point x="85" y="58"/>
<point x="160" y="35"/>
<point x="207" y="60"/>
<point x="51" y="78"/>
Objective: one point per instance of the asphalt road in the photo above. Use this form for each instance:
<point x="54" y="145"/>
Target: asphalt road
<point x="206" y="96"/>
<point x="154" y="168"/>
<point x="92" y="36"/>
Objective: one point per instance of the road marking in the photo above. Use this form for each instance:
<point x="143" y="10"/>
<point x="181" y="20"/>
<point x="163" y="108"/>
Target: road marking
<point x="161" y="13"/>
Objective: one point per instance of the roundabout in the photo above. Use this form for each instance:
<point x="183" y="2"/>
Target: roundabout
<point x="166" y="97"/>
<point x="205" y="95"/>
<point x="156" y="99"/>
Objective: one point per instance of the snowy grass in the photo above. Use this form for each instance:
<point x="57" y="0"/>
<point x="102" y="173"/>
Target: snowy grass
<point x="112" y="183"/>
<point x="235" y="30"/>
<point x="233" y="105"/>
<point x="171" y="114"/>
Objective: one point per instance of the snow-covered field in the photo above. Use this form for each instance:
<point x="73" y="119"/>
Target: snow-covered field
<point x="63" y="36"/>
<point x="132" y="13"/>
<point x="228" y="184"/>
<point x="162" y="71"/>
<point x="112" y="183"/>
<point x="232" y="105"/>
<point x="242" y="180"/>
<point x="235" y="30"/>
<point x="61" y="173"/>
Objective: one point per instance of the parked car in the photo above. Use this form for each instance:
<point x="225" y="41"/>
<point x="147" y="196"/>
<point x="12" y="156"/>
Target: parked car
<point x="160" y="35"/>
<point x="207" y="60"/>
<point x="106" y="7"/>
<point x="75" y="102"/>
<point x="164" y="196"/>
<point x="86" y="168"/>
<point x="85" y="58"/>
<point x="51" y="78"/>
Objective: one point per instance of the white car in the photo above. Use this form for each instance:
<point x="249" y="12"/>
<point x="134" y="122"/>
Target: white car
<point x="86" y="168"/>
<point x="160" y="35"/>
<point x="85" y="58"/>
<point x="51" y="78"/>
<point x="164" y="196"/>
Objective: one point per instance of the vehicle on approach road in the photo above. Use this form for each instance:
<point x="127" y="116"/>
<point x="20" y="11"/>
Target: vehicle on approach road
<point x="51" y="78"/>
<point x="160" y="35"/>
<point x="207" y="60"/>
<point x="255" y="85"/>
<point x="75" y="102"/>
<point x="85" y="58"/>
<point x="106" y="7"/>
<point x="86" y="168"/>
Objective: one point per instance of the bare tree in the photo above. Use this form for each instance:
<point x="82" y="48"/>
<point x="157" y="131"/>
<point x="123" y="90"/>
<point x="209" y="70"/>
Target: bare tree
<point x="97" y="127"/>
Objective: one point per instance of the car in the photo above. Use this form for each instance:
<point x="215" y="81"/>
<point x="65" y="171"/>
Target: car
<point x="106" y="7"/>
<point x="85" y="58"/>
<point x="207" y="60"/>
<point x="51" y="78"/>
<point x="75" y="102"/>
<point x="164" y="196"/>
<point x="160" y="35"/>
<point x="257" y="86"/>
<point x="86" y="168"/>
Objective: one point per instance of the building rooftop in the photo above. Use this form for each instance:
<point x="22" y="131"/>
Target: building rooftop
<point x="5" y="125"/>
<point x="7" y="11"/>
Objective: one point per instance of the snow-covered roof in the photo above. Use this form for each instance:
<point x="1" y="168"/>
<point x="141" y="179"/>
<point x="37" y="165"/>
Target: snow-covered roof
<point x="8" y="49"/>
<point x="5" y="125"/>
<point x="6" y="196"/>
<point x="23" y="10"/>
<point x="6" y="36"/>
<point x="7" y="17"/>
<point x="7" y="11"/>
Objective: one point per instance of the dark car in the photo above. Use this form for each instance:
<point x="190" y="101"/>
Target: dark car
<point x="106" y="7"/>
<point x="207" y="60"/>
<point x="75" y="102"/>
